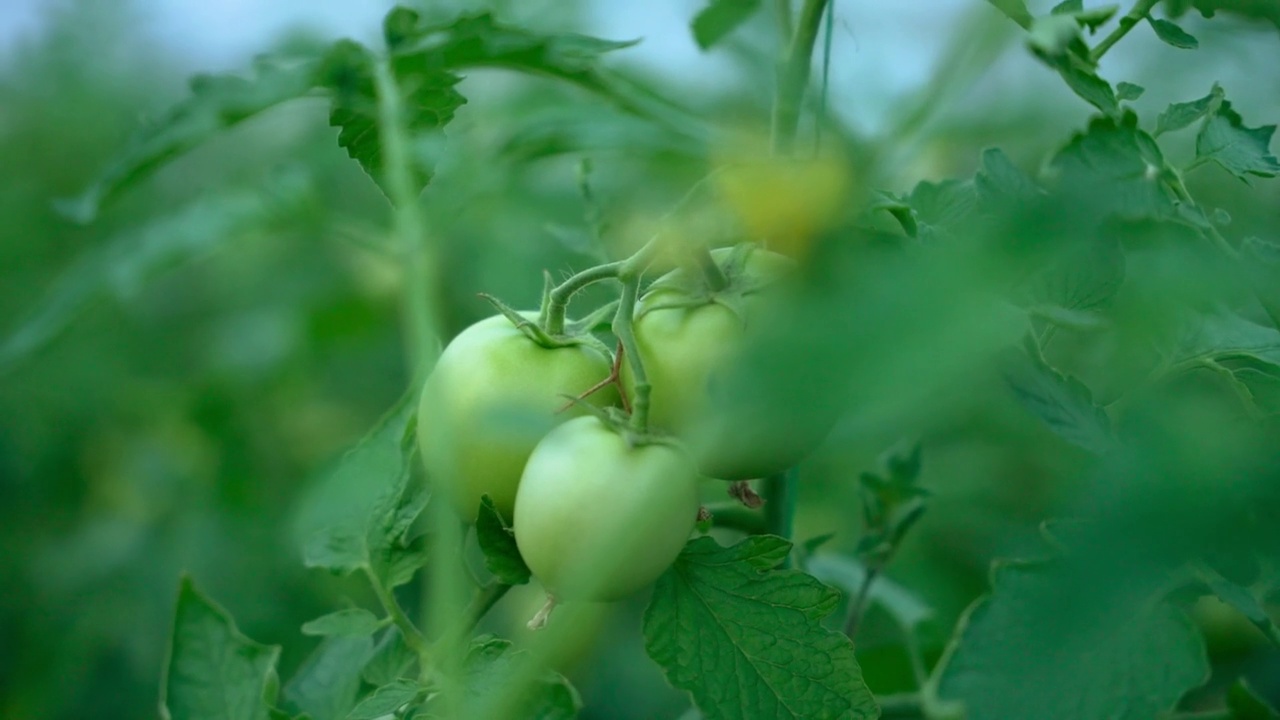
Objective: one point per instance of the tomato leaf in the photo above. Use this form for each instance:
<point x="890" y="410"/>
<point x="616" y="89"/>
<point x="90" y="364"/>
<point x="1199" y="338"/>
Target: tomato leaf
<point x="353" y="622"/>
<point x="1245" y="703"/>
<point x="393" y="699"/>
<point x="1115" y="168"/>
<point x="1171" y="34"/>
<point x="1015" y="10"/>
<point x="328" y="682"/>
<point x="719" y="18"/>
<point x="1180" y="115"/>
<point x="1129" y="91"/>
<point x="213" y="671"/>
<point x="1243" y="599"/>
<point x="391" y="659"/>
<point x="487" y="673"/>
<point x="1048" y="643"/>
<point x="1241" y="150"/>
<point x="1061" y="401"/>
<point x="501" y="555"/>
<point x="747" y="640"/>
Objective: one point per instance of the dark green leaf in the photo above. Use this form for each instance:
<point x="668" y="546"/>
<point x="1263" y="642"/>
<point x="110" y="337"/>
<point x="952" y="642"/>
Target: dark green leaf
<point x="1092" y="18"/>
<point x="328" y="682"/>
<point x="1062" y="402"/>
<point x="1173" y="35"/>
<point x="747" y="640"/>
<point x="1057" y="41"/>
<point x="1245" y="703"/>
<point x="391" y="660"/>
<point x="1015" y="10"/>
<point x="391" y="699"/>
<point x="1080" y="278"/>
<point x="1243" y="599"/>
<point x="1241" y="150"/>
<point x="216" y="103"/>
<point x="1180" y="115"/>
<point x="719" y="18"/>
<point x="354" y="622"/>
<point x="487" y="672"/>
<point x="501" y="555"/>
<point x="214" y="672"/>
<point x="1115" y="168"/>
<point x="1224" y="335"/>
<point x="1128" y="91"/>
<point x="1048" y="644"/>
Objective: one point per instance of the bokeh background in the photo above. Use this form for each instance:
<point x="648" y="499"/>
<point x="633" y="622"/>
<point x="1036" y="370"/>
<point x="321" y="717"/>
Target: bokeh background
<point x="174" y="374"/>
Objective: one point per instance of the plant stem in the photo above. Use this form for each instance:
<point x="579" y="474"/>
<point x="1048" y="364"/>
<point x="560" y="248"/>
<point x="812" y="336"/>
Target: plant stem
<point x="560" y="294"/>
<point x="780" y="505"/>
<point x="622" y="327"/>
<point x="711" y="272"/>
<point x="485" y="598"/>
<point x="412" y="635"/>
<point x="408" y="226"/>
<point x="793" y="76"/>
<point x="1140" y="10"/>
<point x="858" y="604"/>
<point x="734" y="516"/>
<point x="782" y="11"/>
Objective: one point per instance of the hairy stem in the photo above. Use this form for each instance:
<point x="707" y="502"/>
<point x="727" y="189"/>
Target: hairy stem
<point x="1140" y="10"/>
<point x="622" y="327"/>
<point x="793" y="76"/>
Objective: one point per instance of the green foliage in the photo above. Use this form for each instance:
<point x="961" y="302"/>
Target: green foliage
<point x="719" y="18"/>
<point x="328" y="683"/>
<point x="746" y="640"/>
<point x="501" y="555"/>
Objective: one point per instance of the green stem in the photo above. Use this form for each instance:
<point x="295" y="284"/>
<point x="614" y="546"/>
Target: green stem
<point x="734" y="516"/>
<point x="408" y="225"/>
<point x="622" y="327"/>
<point x="412" y="635"/>
<point x="558" y="298"/>
<point x="780" y="505"/>
<point x="858" y="604"/>
<point x="711" y="272"/>
<point x="485" y="598"/>
<point x="1140" y="10"/>
<point x="793" y="76"/>
<point x="782" y="12"/>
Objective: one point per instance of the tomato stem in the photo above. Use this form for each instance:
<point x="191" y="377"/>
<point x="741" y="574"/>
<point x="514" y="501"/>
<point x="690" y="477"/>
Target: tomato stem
<point x="413" y="637"/>
<point x="622" y="327"/>
<point x="1140" y="10"/>
<point x="780" y="505"/>
<point x="711" y="272"/>
<point x="793" y="76"/>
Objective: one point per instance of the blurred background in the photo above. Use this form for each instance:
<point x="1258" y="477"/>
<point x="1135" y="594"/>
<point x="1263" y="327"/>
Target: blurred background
<point x="173" y="374"/>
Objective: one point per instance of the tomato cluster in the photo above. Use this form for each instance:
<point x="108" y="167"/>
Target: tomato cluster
<point x="599" y="507"/>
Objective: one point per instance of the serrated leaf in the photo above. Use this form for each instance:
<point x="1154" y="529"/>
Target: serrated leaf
<point x="1015" y="10"/>
<point x="1092" y="18"/>
<point x="126" y="262"/>
<point x="906" y="608"/>
<point x="1047" y="644"/>
<point x="1180" y="115"/>
<point x="214" y="672"/>
<point x="1061" y="401"/>
<point x="391" y="660"/>
<point x="1171" y="34"/>
<point x="328" y="682"/>
<point x="1128" y="91"/>
<point x="388" y="700"/>
<point x="1115" y="168"/>
<point x="747" y="641"/>
<point x="1244" y="703"/>
<point x="353" y="622"/>
<point x="217" y="102"/>
<point x="940" y="209"/>
<point x="719" y="18"/>
<point x="1080" y="278"/>
<point x="1240" y="150"/>
<point x="501" y="555"/>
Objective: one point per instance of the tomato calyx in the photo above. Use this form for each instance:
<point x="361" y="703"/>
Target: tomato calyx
<point x="619" y="421"/>
<point x="576" y="333"/>
<point x="690" y="289"/>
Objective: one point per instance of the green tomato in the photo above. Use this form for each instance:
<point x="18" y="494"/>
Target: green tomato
<point x="491" y="397"/>
<point x="597" y="517"/>
<point x="689" y="346"/>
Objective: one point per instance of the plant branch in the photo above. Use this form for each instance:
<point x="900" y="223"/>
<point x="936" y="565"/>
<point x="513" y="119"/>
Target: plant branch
<point x="1140" y="10"/>
<point x="780" y="505"/>
<point x="793" y="76"/>
<point x="858" y="604"/>
<point x="485" y="598"/>
<point x="412" y="635"/>
<point x="734" y="516"/>
<point x="711" y="272"/>
<point x="622" y="327"/>
<point x="782" y="12"/>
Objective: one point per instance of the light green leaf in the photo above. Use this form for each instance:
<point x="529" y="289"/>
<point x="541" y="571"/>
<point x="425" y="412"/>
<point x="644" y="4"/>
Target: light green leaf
<point x="1180" y="115"/>
<point x="501" y="555"/>
<point x="719" y="18"/>
<point x="1223" y="336"/>
<point x="389" y="700"/>
<point x="1128" y="91"/>
<point x="1173" y="35"/>
<point x="906" y="608"/>
<point x="214" y="672"/>
<point x="1061" y="401"/>
<point x="391" y="659"/>
<point x="1241" y="150"/>
<point x="216" y="103"/>
<point x="1047" y="644"/>
<point x="353" y="622"/>
<point x="328" y="682"/>
<point x="1015" y="10"/>
<point x="747" y="640"/>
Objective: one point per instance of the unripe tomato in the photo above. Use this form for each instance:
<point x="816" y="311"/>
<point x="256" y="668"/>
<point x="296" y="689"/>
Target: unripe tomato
<point x="491" y="397"/>
<point x="687" y="345"/>
<point x="598" y="518"/>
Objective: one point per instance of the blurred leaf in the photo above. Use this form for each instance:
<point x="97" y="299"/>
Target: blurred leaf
<point x="906" y="608"/>
<point x="125" y="263"/>
<point x="216" y="103"/>
<point x="1080" y="278"/>
<point x="719" y="18"/>
<point x="1129" y="91"/>
<point x="940" y="208"/>
<point x="393" y="699"/>
<point x="1180" y="115"/>
<point x="1225" y="335"/>
<point x="1062" y="402"/>
<point x="1047" y="643"/>
<point x="1114" y="167"/>
<point x="214" y="672"/>
<point x="1092" y="19"/>
<point x="1243" y="599"/>
<point x="1015" y="10"/>
<point x="501" y="555"/>
<point x="354" y="622"/>
<point x="487" y="672"/>
<point x="391" y="659"/>
<point x="1056" y="40"/>
<point x="1244" y="703"/>
<point x="1241" y="150"/>
<point x="999" y="179"/>
<point x="328" y="682"/>
<point x="1266" y="10"/>
<point x="1173" y="35"/>
<point x="747" y="640"/>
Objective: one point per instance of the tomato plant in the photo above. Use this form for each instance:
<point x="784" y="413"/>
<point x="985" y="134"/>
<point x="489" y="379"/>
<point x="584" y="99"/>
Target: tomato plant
<point x="491" y="396"/>
<point x="1062" y="363"/>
